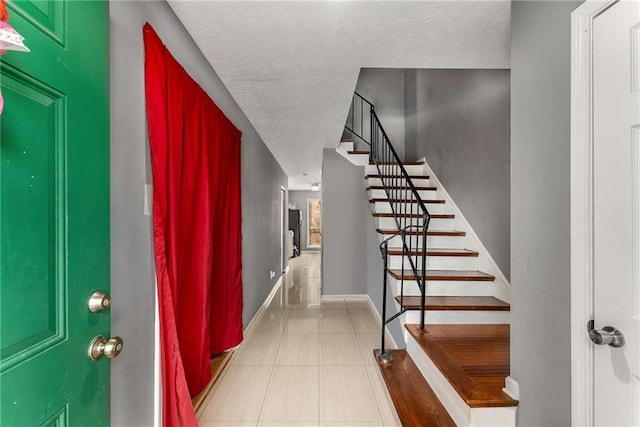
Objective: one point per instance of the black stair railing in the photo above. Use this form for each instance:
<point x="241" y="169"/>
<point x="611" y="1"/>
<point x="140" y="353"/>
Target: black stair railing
<point x="407" y="208"/>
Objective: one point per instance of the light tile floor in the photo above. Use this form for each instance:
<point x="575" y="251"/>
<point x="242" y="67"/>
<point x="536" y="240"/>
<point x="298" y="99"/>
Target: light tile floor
<point x="307" y="361"/>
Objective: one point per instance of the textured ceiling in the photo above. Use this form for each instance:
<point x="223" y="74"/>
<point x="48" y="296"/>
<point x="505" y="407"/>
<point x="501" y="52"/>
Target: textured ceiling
<point x="292" y="66"/>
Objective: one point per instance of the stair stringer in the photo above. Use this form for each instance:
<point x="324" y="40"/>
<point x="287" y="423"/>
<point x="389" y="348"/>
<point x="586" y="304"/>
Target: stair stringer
<point x="486" y="263"/>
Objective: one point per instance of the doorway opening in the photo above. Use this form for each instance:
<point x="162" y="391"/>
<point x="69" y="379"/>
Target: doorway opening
<point x="314" y="223"/>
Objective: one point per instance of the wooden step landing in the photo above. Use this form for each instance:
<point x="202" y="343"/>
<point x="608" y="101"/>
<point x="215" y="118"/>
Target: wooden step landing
<point x="406" y="215"/>
<point x="415" y="401"/>
<point x="437" y="252"/>
<point x="396" y="176"/>
<point x="455" y="303"/>
<point x="394" y="163"/>
<point x="454" y="233"/>
<point x="473" y="358"/>
<point x="358" y="152"/>
<point x="445" y="275"/>
<point x="430" y="201"/>
<point x="380" y="187"/>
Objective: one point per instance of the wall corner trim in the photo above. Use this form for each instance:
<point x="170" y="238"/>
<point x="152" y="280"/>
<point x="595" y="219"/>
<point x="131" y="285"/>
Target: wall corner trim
<point x="512" y="388"/>
<point x="581" y="226"/>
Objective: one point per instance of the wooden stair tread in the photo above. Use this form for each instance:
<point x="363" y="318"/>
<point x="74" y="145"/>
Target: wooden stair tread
<point x="406" y="215"/>
<point x="454" y="303"/>
<point x="455" y="233"/>
<point x="346" y="141"/>
<point x="418" y="163"/>
<point x="473" y="358"/>
<point x="437" y="252"/>
<point x="433" y="201"/>
<point x="358" y="152"/>
<point x="445" y="275"/>
<point x="397" y="176"/>
<point x="414" y="400"/>
<point x="381" y="187"/>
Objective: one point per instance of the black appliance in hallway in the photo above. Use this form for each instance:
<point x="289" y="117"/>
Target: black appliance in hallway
<point x="295" y="225"/>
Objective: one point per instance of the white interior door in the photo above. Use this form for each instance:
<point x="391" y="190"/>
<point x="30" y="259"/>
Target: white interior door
<point x="616" y="211"/>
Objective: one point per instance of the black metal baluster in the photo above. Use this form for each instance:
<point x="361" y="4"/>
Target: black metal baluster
<point x="384" y="356"/>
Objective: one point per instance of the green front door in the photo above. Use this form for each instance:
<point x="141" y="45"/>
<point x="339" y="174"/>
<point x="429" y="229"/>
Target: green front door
<point x="54" y="214"/>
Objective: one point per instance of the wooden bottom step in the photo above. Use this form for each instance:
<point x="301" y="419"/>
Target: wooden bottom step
<point x="455" y="303"/>
<point x="473" y="358"/>
<point x="415" y="401"/>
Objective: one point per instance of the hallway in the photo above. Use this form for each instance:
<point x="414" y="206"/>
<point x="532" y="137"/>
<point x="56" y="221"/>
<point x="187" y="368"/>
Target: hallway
<point x="306" y="361"/>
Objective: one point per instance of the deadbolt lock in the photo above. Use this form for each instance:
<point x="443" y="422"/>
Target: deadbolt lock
<point x="100" y="346"/>
<point x="99" y="301"/>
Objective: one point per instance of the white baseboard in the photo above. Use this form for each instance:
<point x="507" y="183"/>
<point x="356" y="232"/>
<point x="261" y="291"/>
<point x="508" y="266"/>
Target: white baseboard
<point x="375" y="312"/>
<point x="251" y="325"/>
<point x="337" y="297"/>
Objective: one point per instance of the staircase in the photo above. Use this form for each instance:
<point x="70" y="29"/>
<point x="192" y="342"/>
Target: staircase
<point x="450" y="296"/>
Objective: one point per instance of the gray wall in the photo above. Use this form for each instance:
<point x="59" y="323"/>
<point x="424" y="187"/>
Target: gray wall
<point x="384" y="88"/>
<point x="540" y="245"/>
<point x="351" y="260"/>
<point x="459" y="121"/>
<point x="345" y="212"/>
<point x="132" y="269"/>
<point x="299" y="198"/>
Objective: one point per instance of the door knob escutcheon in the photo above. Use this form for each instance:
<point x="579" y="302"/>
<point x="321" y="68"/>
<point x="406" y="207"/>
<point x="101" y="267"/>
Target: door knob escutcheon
<point x="100" y="346"/>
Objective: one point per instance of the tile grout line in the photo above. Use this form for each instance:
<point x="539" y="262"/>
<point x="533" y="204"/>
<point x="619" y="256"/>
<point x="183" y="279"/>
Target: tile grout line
<point x="273" y="364"/>
<point x="374" y="394"/>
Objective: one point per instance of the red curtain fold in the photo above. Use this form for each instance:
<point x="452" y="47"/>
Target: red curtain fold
<point x="195" y="159"/>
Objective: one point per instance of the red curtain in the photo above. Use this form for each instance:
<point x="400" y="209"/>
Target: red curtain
<point x="195" y="159"/>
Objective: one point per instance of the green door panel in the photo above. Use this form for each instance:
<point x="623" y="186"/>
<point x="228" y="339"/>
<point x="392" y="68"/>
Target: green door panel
<point x="54" y="215"/>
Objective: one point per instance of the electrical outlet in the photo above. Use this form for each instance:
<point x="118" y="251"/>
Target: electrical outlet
<point x="272" y="274"/>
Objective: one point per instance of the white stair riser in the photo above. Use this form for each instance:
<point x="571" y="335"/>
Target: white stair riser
<point x="443" y="288"/>
<point x="358" y="159"/>
<point x="385" y="223"/>
<point x="460" y="242"/>
<point x="457" y="317"/>
<point x="461" y="413"/>
<point x="345" y="147"/>
<point x="417" y="182"/>
<point x="390" y="169"/>
<point x="385" y="207"/>
<point x="436" y="262"/>
<point x="402" y="194"/>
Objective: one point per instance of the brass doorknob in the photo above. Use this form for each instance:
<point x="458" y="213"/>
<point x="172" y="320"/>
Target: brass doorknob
<point x="100" y="346"/>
